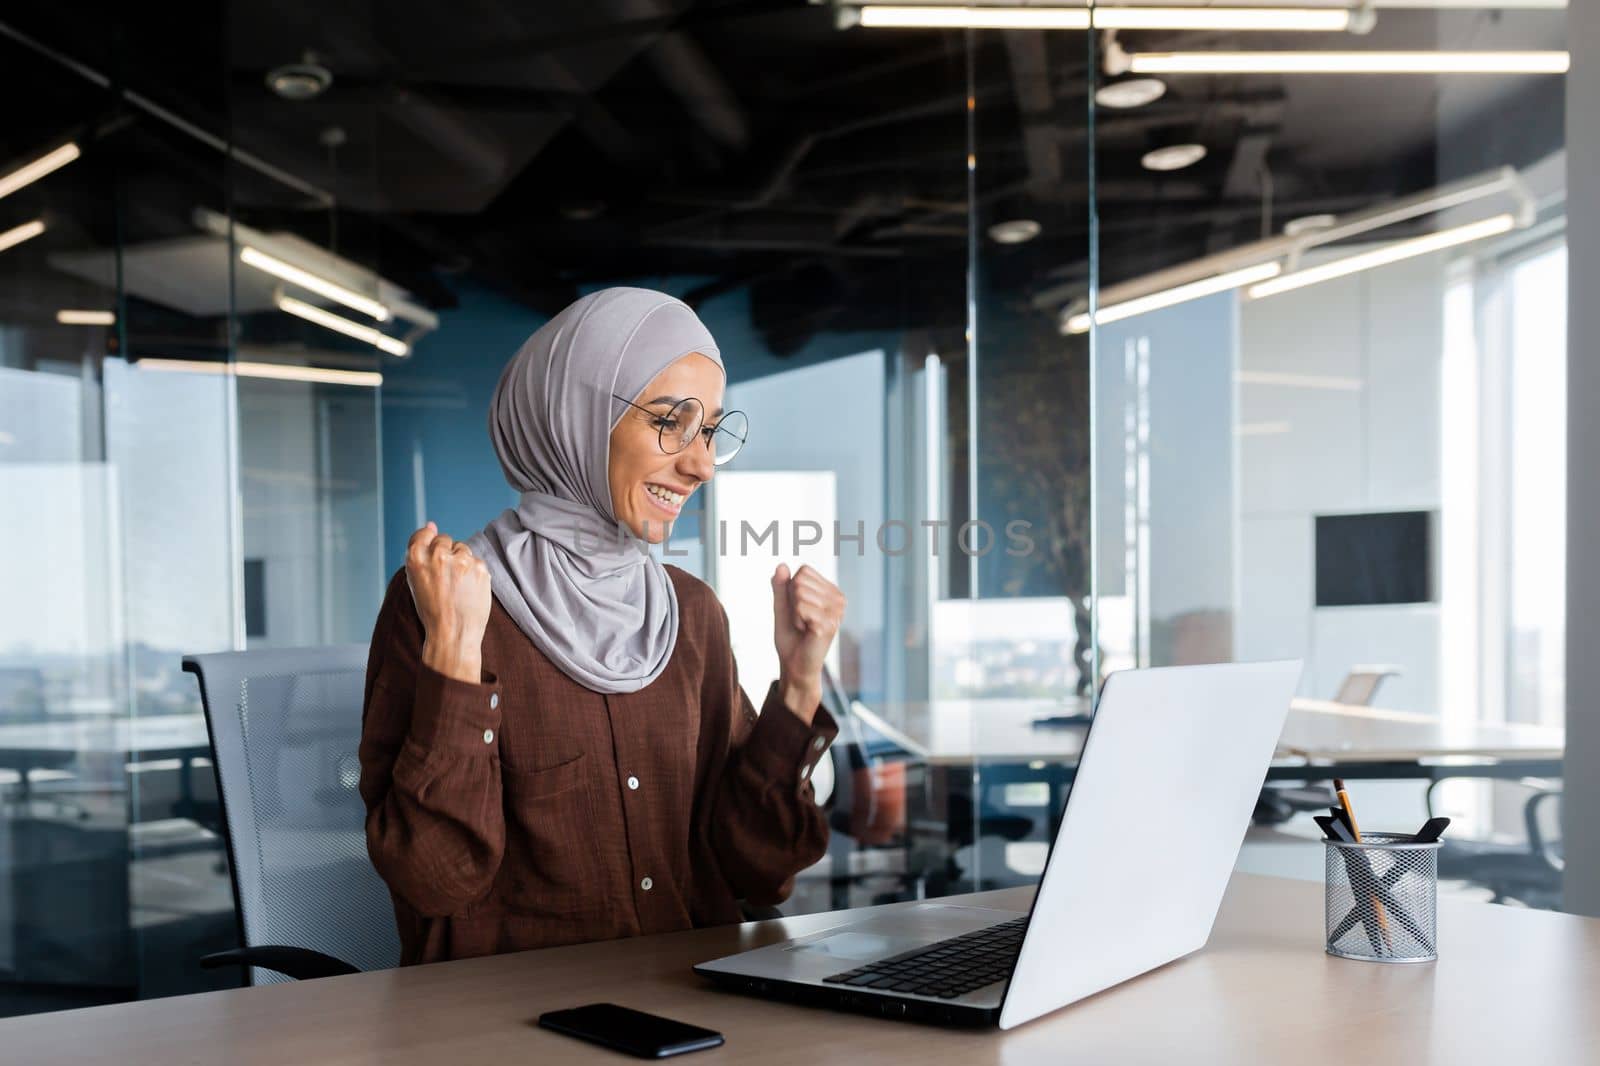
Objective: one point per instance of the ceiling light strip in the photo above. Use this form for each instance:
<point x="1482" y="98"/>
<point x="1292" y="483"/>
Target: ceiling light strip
<point x="306" y="280"/>
<point x="894" y="16"/>
<point x="1168" y="297"/>
<point x="273" y="371"/>
<point x="1349" y="62"/>
<point x="15" y="236"/>
<point x="945" y="16"/>
<point x="1289" y="19"/>
<point x="328" y="320"/>
<point x="29" y="173"/>
<point x="1392" y="253"/>
<point x="1502" y="180"/>
<point x="72" y="317"/>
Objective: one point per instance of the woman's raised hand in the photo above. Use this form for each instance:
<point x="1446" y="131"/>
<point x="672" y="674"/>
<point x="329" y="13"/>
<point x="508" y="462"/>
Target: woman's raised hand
<point x="451" y="589"/>
<point x="806" y="611"/>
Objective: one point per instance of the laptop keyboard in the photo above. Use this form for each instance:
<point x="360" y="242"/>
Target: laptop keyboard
<point x="947" y="968"/>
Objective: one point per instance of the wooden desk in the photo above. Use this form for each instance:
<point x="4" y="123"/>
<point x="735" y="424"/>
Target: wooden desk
<point x="1511" y="986"/>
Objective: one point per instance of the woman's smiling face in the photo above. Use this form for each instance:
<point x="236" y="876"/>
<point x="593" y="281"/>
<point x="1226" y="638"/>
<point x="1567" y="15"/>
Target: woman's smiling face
<point x="649" y="488"/>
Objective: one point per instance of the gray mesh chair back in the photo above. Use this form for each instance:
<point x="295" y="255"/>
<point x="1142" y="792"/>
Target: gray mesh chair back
<point x="285" y="724"/>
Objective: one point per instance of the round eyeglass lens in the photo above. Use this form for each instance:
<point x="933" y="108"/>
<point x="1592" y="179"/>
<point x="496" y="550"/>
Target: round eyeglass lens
<point x="681" y="425"/>
<point x="732" y="430"/>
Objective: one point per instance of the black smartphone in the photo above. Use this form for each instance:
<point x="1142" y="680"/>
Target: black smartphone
<point x="646" y="1035"/>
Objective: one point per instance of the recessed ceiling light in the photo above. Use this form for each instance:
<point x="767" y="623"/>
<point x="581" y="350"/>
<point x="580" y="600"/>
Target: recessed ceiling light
<point x="1130" y="92"/>
<point x="1308" y="224"/>
<point x="299" y="81"/>
<point x="1174" y="157"/>
<point x="1014" y="231"/>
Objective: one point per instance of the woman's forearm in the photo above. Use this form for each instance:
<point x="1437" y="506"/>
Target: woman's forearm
<point x="458" y="660"/>
<point x="800" y="697"/>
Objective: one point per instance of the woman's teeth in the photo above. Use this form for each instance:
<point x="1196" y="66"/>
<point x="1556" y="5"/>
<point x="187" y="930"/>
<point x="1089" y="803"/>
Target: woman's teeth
<point x="674" y="498"/>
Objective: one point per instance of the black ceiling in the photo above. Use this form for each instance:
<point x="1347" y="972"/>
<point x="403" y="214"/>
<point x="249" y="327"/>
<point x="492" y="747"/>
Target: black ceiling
<point x="751" y="143"/>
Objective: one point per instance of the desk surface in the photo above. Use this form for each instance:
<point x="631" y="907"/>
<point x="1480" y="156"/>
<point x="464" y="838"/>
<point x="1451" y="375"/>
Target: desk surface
<point x="1511" y="986"/>
<point x="959" y="731"/>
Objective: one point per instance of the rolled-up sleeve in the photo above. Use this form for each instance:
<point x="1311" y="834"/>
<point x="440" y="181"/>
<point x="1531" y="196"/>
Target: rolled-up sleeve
<point x="765" y="823"/>
<point x="430" y="770"/>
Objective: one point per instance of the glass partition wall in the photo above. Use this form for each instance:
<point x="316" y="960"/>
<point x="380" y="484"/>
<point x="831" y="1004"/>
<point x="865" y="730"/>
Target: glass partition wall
<point x="120" y="517"/>
<point x="180" y="478"/>
<point x="1329" y="411"/>
<point x="1055" y="365"/>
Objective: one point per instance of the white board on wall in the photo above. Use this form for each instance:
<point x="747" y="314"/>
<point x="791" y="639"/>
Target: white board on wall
<point x="743" y="561"/>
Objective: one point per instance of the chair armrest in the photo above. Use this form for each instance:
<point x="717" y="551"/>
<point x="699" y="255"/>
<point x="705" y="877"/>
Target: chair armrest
<point x="302" y="964"/>
<point x="1536" y="841"/>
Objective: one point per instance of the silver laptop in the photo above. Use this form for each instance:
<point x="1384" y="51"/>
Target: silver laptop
<point x="1170" y="771"/>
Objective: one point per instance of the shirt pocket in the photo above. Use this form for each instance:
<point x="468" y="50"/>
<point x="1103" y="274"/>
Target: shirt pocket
<point x="550" y="865"/>
<point x="543" y="784"/>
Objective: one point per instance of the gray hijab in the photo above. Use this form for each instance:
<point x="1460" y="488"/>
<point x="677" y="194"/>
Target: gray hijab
<point x="583" y="588"/>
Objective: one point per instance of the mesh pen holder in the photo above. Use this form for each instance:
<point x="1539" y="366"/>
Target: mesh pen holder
<point x="1382" y="898"/>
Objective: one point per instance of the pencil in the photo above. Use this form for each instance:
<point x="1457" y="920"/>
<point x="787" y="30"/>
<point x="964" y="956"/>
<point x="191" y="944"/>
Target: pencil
<point x="1355" y="831"/>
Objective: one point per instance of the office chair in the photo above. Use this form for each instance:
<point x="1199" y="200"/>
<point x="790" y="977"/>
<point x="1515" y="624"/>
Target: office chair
<point x="1529" y="871"/>
<point x="285" y="725"/>
<point x="1279" y="803"/>
<point x="873" y="780"/>
<point x="881" y="803"/>
<point x="1360" y="686"/>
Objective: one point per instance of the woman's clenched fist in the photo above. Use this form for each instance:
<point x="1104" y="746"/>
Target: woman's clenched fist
<point x="807" y="610"/>
<point x="451" y="589"/>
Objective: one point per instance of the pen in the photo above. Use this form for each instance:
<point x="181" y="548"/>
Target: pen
<point x="1355" y="830"/>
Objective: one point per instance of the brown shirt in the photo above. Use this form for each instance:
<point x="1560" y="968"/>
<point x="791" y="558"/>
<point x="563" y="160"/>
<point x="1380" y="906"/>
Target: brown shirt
<point x="529" y="811"/>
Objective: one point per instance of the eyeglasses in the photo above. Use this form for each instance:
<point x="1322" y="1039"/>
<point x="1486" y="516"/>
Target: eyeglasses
<point x="686" y="421"/>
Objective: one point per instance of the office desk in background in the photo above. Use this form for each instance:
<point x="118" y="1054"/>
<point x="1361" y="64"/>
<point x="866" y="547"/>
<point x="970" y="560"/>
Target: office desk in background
<point x="1510" y="986"/>
<point x="1365" y="741"/>
<point x="28" y="746"/>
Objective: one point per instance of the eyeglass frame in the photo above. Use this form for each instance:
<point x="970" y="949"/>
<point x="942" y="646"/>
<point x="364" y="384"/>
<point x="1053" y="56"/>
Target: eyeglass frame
<point x="705" y="430"/>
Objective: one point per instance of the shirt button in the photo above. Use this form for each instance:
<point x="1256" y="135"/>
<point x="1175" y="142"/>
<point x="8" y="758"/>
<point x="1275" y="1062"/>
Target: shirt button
<point x="647" y="884"/>
<point x="488" y="736"/>
<point x="494" y="700"/>
<point x="819" y="743"/>
<point x="633" y="782"/>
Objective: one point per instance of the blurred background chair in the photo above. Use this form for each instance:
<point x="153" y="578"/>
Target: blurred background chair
<point x="890" y="826"/>
<point x="1360" y="686"/>
<point x="1527" y="871"/>
<point x="1279" y="803"/>
<point x="285" y="725"/>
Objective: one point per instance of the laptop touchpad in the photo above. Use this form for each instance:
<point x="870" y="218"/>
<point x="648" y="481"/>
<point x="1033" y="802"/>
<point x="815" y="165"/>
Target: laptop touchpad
<point x="859" y="946"/>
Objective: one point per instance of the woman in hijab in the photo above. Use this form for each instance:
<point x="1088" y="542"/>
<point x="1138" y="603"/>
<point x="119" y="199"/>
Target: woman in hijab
<point x="555" y="747"/>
